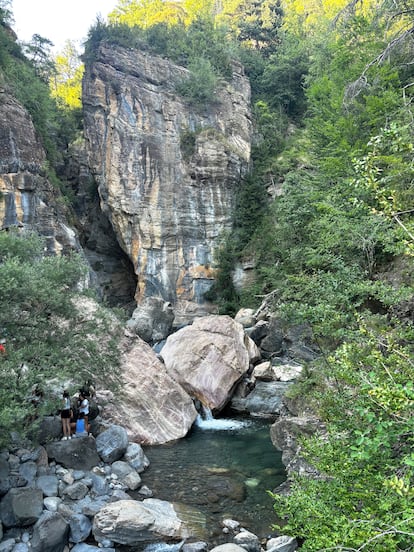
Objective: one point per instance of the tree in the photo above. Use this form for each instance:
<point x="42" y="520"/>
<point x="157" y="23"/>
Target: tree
<point x="38" y="50"/>
<point x="66" y="82"/>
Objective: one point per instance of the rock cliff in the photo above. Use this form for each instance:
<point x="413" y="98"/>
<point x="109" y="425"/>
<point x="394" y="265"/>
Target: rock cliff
<point x="166" y="171"/>
<point x="27" y="198"/>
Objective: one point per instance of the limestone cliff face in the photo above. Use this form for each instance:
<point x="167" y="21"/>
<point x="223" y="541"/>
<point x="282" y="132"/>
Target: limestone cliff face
<point x="166" y="172"/>
<point x="27" y="198"/>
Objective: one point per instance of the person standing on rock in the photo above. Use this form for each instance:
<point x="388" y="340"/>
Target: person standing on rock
<point x="84" y="409"/>
<point x="65" y="415"/>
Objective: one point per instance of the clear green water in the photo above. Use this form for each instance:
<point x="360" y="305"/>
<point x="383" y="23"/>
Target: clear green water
<point x="222" y="469"/>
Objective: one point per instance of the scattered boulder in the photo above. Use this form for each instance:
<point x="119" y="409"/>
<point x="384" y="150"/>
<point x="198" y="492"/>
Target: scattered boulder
<point x="50" y="533"/>
<point x="21" y="507"/>
<point x="284" y="434"/>
<point x="48" y="484"/>
<point x="264" y="371"/>
<point x="136" y="458"/>
<point x="76" y="491"/>
<point x="282" y="544"/>
<point x="80" y="528"/>
<point x="245" y="317"/>
<point x="209" y="357"/>
<point x="228" y="547"/>
<point x="82" y="547"/>
<point x="152" y="320"/>
<point x="248" y="541"/>
<point x="129" y="522"/>
<point x="77" y="453"/>
<point x="265" y="400"/>
<point x="112" y="443"/>
<point x="287" y="372"/>
<point x="48" y="429"/>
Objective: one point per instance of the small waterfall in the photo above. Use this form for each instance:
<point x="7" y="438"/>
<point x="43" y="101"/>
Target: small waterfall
<point x="205" y="420"/>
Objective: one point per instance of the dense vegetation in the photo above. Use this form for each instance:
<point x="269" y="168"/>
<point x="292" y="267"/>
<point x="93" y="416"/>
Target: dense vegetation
<point x="332" y="99"/>
<point x="53" y="335"/>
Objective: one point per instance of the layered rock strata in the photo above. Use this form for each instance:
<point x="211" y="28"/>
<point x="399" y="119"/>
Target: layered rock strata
<point x="27" y="198"/>
<point x="166" y="171"/>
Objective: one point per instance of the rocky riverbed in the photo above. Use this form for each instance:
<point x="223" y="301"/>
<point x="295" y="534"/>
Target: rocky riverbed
<point x="76" y="495"/>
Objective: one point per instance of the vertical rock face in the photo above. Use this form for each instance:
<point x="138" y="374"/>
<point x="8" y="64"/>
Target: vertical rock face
<point x="27" y="199"/>
<point x="167" y="173"/>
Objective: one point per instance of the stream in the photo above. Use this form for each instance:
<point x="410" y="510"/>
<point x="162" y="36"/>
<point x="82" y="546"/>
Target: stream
<point x="222" y="469"/>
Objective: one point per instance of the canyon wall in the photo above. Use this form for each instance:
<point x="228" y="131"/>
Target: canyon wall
<point x="166" y="171"/>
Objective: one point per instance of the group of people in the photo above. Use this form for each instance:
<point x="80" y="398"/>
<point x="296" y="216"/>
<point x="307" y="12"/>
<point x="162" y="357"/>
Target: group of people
<point x="75" y="421"/>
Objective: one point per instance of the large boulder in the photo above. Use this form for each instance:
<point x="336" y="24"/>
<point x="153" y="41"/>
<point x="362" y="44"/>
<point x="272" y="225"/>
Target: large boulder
<point x="131" y="523"/>
<point x="21" y="507"/>
<point x="285" y="435"/>
<point x="136" y="458"/>
<point x="79" y="453"/>
<point x="50" y="533"/>
<point x="152" y="320"/>
<point x="112" y="443"/>
<point x="151" y="406"/>
<point x="209" y="357"/>
<point x="265" y="400"/>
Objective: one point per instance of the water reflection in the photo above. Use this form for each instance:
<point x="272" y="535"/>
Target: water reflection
<point x="222" y="469"/>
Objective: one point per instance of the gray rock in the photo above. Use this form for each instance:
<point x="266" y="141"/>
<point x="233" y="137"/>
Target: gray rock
<point x="14" y="462"/>
<point x="121" y="469"/>
<point x="48" y="485"/>
<point x="266" y="399"/>
<point x="21" y="507"/>
<point x="76" y="491"/>
<point x="92" y="507"/>
<point x="248" y="541"/>
<point x="118" y="494"/>
<point x="132" y="480"/>
<point x="21" y="547"/>
<point x="82" y="547"/>
<point x="152" y="320"/>
<point x="28" y="470"/>
<point x="99" y="486"/>
<point x="130" y="522"/>
<point x="77" y="453"/>
<point x="195" y="547"/>
<point x="50" y="533"/>
<point x="52" y="503"/>
<point x="282" y="544"/>
<point x="136" y="458"/>
<point x="80" y="528"/>
<point x="112" y="443"/>
<point x="7" y="545"/>
<point x="50" y="428"/>
<point x="4" y="476"/>
<point x="228" y="547"/>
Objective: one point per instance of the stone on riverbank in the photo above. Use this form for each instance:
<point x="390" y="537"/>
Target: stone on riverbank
<point x="112" y="443"/>
<point x="79" y="453"/>
<point x="21" y="507"/>
<point x="130" y="523"/>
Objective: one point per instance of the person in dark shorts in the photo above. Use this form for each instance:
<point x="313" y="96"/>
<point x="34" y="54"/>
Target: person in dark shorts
<point x="65" y="415"/>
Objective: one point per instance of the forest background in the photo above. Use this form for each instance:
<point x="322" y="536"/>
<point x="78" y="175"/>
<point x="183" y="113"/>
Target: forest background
<point x="326" y="213"/>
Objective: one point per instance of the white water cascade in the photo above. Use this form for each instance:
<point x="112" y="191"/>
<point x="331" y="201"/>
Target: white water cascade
<point x="205" y="420"/>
